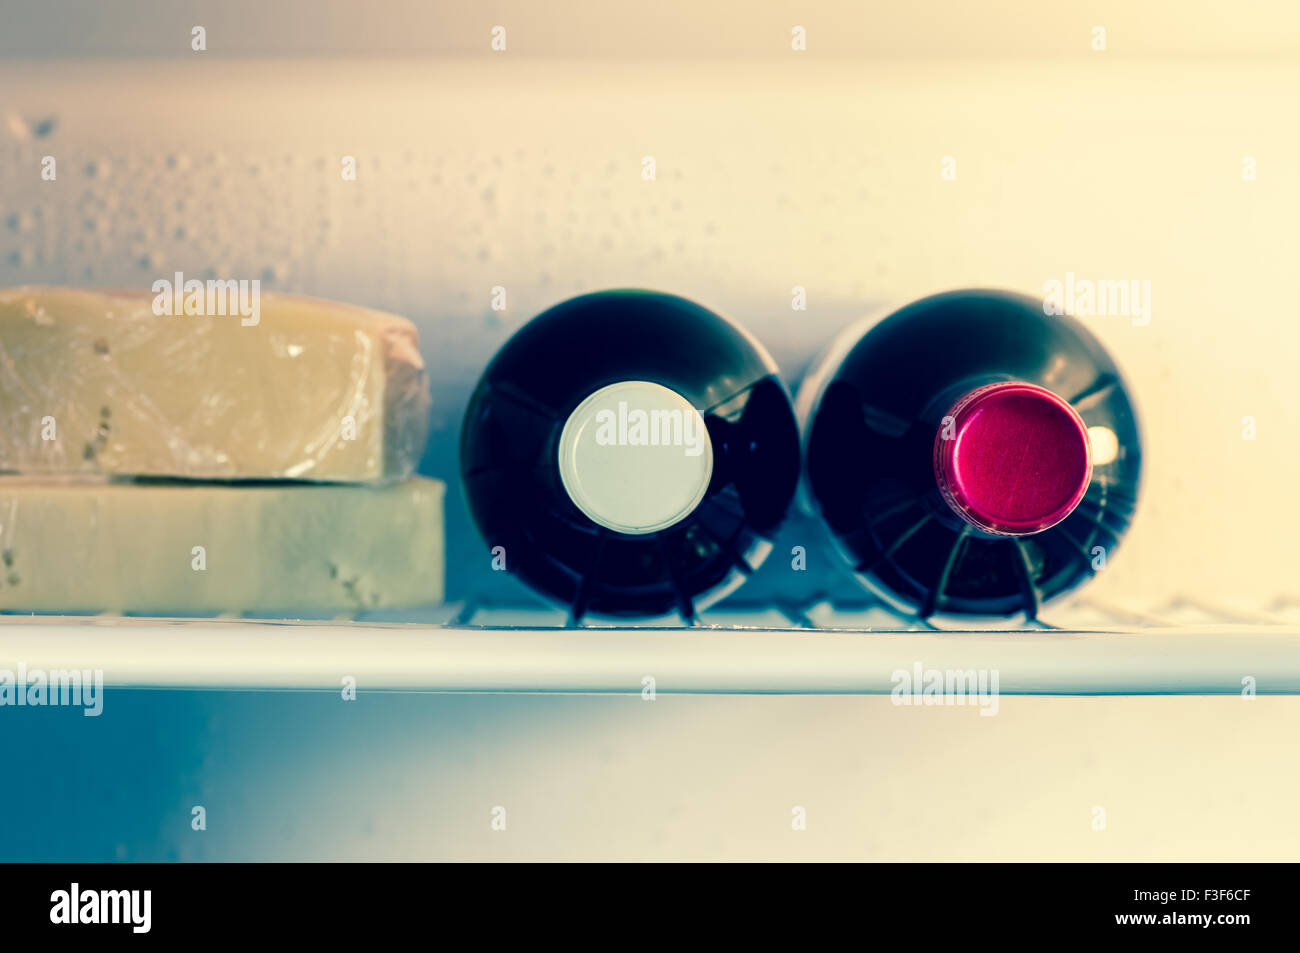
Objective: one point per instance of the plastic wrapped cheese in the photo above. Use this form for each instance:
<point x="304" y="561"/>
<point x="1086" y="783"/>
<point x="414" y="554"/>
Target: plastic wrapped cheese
<point x="109" y="382"/>
<point x="172" y="548"/>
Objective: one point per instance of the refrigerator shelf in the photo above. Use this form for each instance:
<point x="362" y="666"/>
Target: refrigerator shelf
<point x="1184" y="647"/>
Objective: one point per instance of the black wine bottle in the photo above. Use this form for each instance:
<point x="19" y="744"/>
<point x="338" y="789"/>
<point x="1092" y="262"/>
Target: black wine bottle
<point x="632" y="453"/>
<point x="971" y="454"/>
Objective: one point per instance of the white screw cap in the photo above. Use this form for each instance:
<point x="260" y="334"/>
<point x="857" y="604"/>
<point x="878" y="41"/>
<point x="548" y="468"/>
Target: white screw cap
<point x="635" y="457"/>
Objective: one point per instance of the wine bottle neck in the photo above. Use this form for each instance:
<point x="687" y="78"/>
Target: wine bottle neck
<point x="1012" y="458"/>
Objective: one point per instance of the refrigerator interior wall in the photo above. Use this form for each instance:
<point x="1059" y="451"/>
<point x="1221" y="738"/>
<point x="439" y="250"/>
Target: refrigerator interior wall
<point x="528" y="176"/>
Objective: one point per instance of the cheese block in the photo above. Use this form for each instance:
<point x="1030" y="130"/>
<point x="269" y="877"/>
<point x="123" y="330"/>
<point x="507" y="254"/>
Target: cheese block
<point x="110" y="382"/>
<point x="173" y="548"/>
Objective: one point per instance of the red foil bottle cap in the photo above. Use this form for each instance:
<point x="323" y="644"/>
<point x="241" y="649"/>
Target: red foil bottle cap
<point x="1012" y="459"/>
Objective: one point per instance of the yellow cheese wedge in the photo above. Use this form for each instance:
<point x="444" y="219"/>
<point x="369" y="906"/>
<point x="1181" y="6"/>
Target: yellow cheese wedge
<point x="100" y="382"/>
<point x="77" y="545"/>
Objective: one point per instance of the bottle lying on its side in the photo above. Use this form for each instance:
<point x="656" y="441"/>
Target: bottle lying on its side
<point x="632" y="453"/>
<point x="971" y="454"/>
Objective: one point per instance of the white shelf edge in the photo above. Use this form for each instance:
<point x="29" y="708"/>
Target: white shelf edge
<point x="204" y="654"/>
